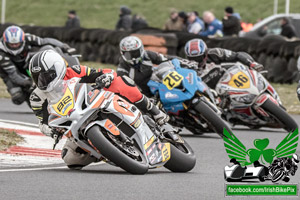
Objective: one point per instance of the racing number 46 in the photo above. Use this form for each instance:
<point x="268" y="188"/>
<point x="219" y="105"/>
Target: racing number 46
<point x="239" y="82"/>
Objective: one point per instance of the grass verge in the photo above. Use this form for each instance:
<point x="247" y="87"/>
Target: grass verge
<point x="288" y="96"/>
<point x="104" y="14"/>
<point x="8" y="139"/>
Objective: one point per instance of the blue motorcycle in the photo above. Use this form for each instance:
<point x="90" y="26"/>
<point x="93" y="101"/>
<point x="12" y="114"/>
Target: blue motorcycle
<point x="186" y="98"/>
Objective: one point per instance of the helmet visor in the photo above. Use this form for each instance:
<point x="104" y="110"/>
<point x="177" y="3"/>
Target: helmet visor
<point x="14" y="46"/>
<point x="201" y="60"/>
<point x="132" y="55"/>
<point x="45" y="78"/>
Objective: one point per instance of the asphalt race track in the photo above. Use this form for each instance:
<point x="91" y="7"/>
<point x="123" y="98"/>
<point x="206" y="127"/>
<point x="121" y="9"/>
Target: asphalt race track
<point x="104" y="182"/>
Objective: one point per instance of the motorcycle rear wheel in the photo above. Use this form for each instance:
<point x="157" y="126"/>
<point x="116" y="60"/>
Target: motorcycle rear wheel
<point x="182" y="158"/>
<point x="281" y="115"/>
<point x="215" y="122"/>
<point x="113" y="152"/>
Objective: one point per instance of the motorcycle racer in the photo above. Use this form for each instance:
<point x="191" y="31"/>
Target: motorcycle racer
<point x="48" y="67"/>
<point x="207" y="58"/>
<point x="15" y="45"/>
<point x="137" y="63"/>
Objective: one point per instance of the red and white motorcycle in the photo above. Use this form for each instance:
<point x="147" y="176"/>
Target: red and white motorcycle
<point x="247" y="98"/>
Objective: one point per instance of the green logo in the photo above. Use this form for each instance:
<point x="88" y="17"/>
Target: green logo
<point x="236" y="149"/>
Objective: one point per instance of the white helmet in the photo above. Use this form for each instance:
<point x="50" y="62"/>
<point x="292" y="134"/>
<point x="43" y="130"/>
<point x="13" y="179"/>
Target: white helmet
<point x="132" y="50"/>
<point x="47" y="68"/>
<point x="14" y="40"/>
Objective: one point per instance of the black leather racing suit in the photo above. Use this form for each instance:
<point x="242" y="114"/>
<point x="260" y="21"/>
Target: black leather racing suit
<point x="12" y="69"/>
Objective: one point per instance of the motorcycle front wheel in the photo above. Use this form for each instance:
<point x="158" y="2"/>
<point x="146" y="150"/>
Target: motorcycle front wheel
<point x="288" y="123"/>
<point x="126" y="156"/>
<point x="182" y="158"/>
<point x="214" y="121"/>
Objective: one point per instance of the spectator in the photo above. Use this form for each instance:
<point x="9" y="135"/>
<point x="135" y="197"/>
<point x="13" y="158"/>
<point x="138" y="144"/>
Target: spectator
<point x="288" y="30"/>
<point x="139" y="22"/>
<point x="125" y="21"/>
<point x="231" y="24"/>
<point x="183" y="18"/>
<point x="195" y="24"/>
<point x="246" y="27"/>
<point x="237" y="15"/>
<point x="214" y="26"/>
<point x="73" y="20"/>
<point x="174" y="23"/>
<point x="196" y="13"/>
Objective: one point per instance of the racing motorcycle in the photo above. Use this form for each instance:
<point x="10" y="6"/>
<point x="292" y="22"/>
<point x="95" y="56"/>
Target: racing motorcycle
<point x="282" y="168"/>
<point x="113" y="130"/>
<point x="247" y="98"/>
<point x="186" y="98"/>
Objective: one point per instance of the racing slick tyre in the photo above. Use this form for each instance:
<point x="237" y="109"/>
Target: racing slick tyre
<point x="126" y="156"/>
<point x="182" y="158"/>
<point x="214" y="121"/>
<point x="288" y="123"/>
<point x="277" y="176"/>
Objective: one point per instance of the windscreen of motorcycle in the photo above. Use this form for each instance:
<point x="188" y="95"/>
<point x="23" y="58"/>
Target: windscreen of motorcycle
<point x="57" y="93"/>
<point x="61" y="99"/>
<point x="236" y="78"/>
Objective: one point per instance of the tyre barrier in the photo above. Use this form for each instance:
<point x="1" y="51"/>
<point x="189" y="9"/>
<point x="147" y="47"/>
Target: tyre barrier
<point x="277" y="55"/>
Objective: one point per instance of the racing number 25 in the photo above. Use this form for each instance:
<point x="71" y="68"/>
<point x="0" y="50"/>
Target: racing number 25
<point x="172" y="79"/>
<point x="240" y="81"/>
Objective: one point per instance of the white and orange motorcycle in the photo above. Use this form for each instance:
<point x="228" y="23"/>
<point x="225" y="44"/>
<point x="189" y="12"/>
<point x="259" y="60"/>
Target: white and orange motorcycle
<point x="111" y="129"/>
<point x="247" y="98"/>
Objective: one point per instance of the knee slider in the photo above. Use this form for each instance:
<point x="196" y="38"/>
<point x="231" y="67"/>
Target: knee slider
<point x="128" y="81"/>
<point x="17" y="96"/>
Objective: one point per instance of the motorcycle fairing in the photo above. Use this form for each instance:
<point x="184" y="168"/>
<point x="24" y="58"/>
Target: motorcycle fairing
<point x="172" y="99"/>
<point x="86" y="105"/>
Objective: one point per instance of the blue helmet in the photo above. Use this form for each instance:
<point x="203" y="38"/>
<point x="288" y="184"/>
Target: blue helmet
<point x="14" y="40"/>
<point x="196" y="50"/>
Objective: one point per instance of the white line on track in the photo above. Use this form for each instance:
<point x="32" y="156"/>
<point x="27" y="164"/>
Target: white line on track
<point x="43" y="168"/>
<point x="35" y="125"/>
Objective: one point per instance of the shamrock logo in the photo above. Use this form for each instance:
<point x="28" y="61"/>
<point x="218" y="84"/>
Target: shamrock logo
<point x="261" y="151"/>
<point x="236" y="149"/>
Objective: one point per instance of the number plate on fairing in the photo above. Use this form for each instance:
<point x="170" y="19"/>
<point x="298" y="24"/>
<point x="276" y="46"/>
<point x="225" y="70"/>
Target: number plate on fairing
<point x="172" y="80"/>
<point x="239" y="80"/>
<point x="65" y="104"/>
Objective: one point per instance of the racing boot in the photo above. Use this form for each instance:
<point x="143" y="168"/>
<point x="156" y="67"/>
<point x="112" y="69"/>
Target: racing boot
<point x="169" y="132"/>
<point x="146" y="106"/>
<point x="161" y="118"/>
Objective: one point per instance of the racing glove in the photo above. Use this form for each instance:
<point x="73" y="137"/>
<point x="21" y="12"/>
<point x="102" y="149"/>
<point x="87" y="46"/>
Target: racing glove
<point x="298" y="91"/>
<point x="46" y="130"/>
<point x="104" y="81"/>
<point x="258" y="67"/>
<point x="189" y="64"/>
<point x="67" y="49"/>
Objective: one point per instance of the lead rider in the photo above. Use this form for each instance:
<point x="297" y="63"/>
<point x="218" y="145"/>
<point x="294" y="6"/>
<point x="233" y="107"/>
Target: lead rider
<point x="48" y="68"/>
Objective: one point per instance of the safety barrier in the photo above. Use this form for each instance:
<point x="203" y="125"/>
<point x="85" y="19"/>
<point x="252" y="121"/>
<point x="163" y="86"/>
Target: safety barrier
<point x="277" y="55"/>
